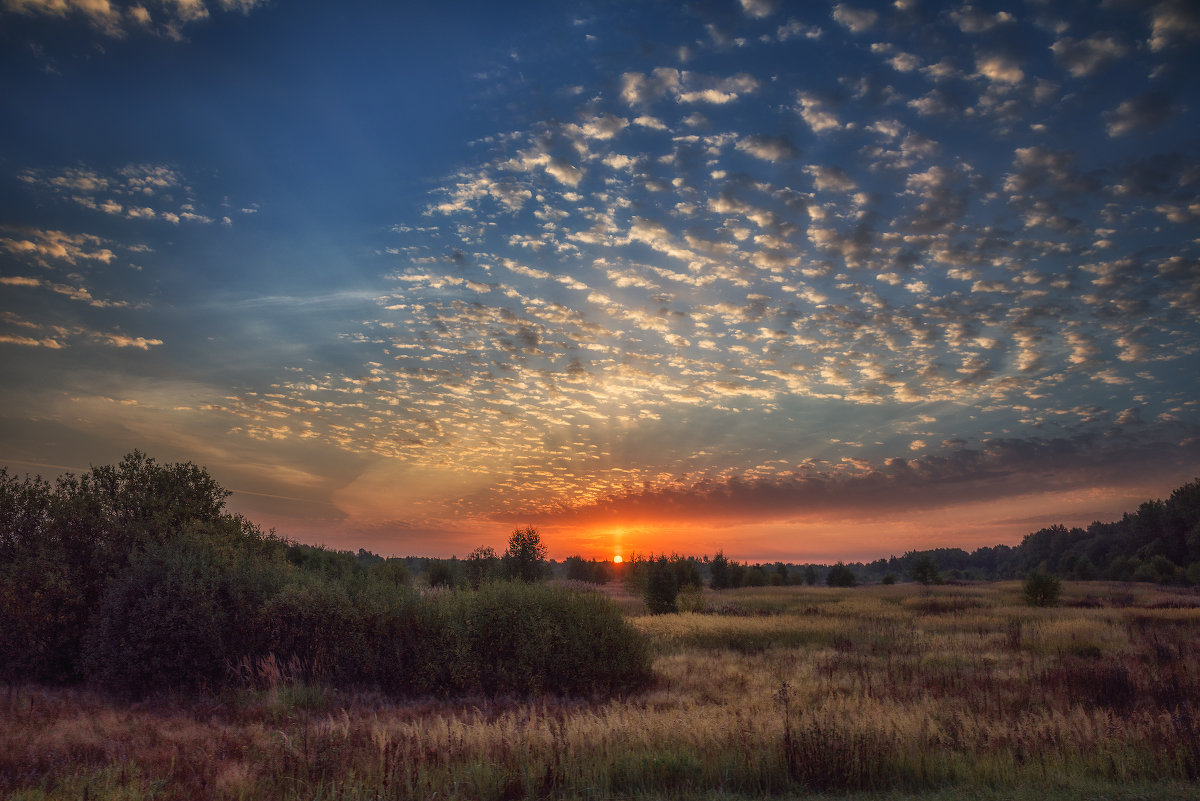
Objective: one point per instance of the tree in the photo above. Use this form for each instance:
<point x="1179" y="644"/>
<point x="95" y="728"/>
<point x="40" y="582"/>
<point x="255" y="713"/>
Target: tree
<point x="60" y="546"/>
<point x="840" y="576"/>
<point x="525" y="555"/>
<point x="925" y="571"/>
<point x="662" y="587"/>
<point x="810" y="575"/>
<point x="480" y="565"/>
<point x="1041" y="589"/>
<point x="718" y="570"/>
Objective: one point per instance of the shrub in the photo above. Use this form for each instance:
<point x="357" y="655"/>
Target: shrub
<point x="1041" y="589"/>
<point x="395" y="631"/>
<point x="480" y="565"/>
<point x="691" y="599"/>
<point x="516" y="638"/>
<point x="312" y="620"/>
<point x="160" y="625"/>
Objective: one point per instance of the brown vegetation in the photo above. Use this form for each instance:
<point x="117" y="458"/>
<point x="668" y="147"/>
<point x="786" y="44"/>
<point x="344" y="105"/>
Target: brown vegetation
<point x="783" y="691"/>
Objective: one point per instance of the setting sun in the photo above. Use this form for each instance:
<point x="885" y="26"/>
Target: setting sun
<point x="617" y="559"/>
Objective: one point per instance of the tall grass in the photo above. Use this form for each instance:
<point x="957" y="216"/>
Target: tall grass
<point x="897" y="690"/>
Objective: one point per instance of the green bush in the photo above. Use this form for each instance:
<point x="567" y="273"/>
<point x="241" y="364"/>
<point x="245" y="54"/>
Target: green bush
<point x="312" y="621"/>
<point x="159" y="626"/>
<point x="512" y="638"/>
<point x="1041" y="589"/>
<point x="391" y="620"/>
<point x="180" y="614"/>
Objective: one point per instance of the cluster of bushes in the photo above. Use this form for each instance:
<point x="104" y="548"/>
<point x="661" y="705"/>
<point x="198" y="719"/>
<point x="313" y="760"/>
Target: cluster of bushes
<point x="135" y="578"/>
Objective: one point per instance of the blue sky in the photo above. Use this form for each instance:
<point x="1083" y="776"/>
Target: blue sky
<point x="800" y="281"/>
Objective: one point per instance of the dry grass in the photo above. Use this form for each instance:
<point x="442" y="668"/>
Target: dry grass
<point x="787" y="691"/>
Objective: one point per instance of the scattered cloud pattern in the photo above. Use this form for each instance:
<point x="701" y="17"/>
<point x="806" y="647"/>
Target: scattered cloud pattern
<point x="958" y="262"/>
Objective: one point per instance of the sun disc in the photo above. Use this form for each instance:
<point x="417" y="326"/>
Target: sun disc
<point x="617" y="559"/>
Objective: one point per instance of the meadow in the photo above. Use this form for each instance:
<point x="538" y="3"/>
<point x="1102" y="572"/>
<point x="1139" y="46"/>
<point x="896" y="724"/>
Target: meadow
<point x="896" y="691"/>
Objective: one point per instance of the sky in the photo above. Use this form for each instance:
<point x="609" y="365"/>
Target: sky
<point x="796" y="281"/>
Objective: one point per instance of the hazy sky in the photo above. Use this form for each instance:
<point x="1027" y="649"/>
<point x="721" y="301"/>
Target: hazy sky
<point x="799" y="281"/>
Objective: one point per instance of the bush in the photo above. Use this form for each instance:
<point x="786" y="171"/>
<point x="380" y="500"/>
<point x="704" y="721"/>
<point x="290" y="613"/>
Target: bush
<point x="396" y="633"/>
<point x="160" y="625"/>
<point x="691" y="599"/>
<point x="1041" y="589"/>
<point x="312" y="621"/>
<point x="515" y="638"/>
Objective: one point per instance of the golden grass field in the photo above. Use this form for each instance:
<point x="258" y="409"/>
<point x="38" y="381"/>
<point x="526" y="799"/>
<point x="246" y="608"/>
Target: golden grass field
<point x="893" y="692"/>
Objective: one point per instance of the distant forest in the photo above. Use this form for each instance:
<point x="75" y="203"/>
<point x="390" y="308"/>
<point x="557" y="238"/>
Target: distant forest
<point x="1159" y="542"/>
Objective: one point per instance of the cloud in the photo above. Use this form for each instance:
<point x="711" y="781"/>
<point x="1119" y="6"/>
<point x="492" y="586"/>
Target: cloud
<point x="638" y="89"/>
<point x="124" y="191"/>
<point x="855" y="20"/>
<point x="958" y="475"/>
<point x="816" y="113"/>
<point x="1140" y="113"/>
<point x="1084" y="57"/>
<point x="1173" y="23"/>
<point x="970" y="19"/>
<point x="118" y="19"/>
<point x="999" y="68"/>
<point x="768" y="148"/>
<point x="831" y="178"/>
<point x="758" y="9"/>
<point x="44" y="247"/>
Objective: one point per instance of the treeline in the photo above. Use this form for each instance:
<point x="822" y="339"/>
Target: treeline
<point x="1160" y="542"/>
<point x="134" y="577"/>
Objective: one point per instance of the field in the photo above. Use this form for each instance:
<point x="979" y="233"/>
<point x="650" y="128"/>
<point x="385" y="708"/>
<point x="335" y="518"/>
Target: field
<point x="883" y="692"/>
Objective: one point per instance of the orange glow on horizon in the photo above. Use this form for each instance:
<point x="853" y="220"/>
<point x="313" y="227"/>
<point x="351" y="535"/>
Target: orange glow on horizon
<point x="617" y="559"/>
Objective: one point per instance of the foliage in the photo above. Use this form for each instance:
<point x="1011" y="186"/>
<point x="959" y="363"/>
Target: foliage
<point x="925" y="570"/>
<point x="61" y="546"/>
<point x="592" y="571"/>
<point x="526" y="555"/>
<point x="390" y="571"/>
<point x="137" y="594"/>
<point x="523" y="638"/>
<point x="862" y="695"/>
<point x="662" y="587"/>
<point x="719" y="572"/>
<point x="440" y="574"/>
<point x="177" y="616"/>
<point x="1041" y="589"/>
<point x="480" y="566"/>
<point x="840" y="576"/>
